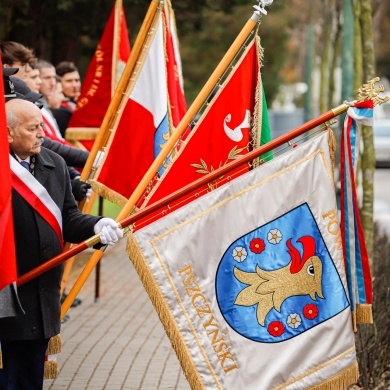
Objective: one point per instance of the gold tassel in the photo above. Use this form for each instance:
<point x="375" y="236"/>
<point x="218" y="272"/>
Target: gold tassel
<point x="1" y="359"/>
<point x="342" y="380"/>
<point x="51" y="365"/>
<point x="108" y="194"/>
<point x="51" y="368"/>
<point x="54" y="346"/>
<point x="364" y="314"/>
<point x="354" y="325"/>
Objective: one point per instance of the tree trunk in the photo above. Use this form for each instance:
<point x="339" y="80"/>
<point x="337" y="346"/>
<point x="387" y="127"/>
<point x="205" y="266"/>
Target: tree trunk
<point x="368" y="159"/>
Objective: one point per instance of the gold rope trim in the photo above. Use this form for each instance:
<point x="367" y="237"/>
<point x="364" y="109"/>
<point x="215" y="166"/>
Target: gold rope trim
<point x="353" y="317"/>
<point x="81" y="133"/>
<point x="258" y="109"/>
<point x="1" y="360"/>
<point x="108" y="194"/>
<point x="332" y="147"/>
<point x="54" y="346"/>
<point x="342" y="380"/>
<point x="164" y="313"/>
<point x="364" y="314"/>
<point x="50" y="369"/>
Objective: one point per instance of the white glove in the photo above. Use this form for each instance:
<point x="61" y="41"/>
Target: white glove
<point x="108" y="230"/>
<point x="88" y="195"/>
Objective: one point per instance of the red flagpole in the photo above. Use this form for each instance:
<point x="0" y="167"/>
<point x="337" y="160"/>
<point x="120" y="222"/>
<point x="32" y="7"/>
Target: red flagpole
<point x="77" y="248"/>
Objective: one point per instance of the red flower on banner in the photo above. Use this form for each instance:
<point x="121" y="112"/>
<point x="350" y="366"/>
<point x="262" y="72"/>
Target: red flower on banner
<point x="257" y="245"/>
<point x="310" y="311"/>
<point x="275" y="328"/>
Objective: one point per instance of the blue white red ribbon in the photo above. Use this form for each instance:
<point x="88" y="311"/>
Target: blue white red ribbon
<point x="355" y="252"/>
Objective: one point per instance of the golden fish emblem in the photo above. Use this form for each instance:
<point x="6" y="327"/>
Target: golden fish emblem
<point x="269" y="289"/>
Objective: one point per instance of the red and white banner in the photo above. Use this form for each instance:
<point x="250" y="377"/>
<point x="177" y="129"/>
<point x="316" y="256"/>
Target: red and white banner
<point x="226" y="130"/>
<point x="102" y="76"/>
<point x="145" y="123"/>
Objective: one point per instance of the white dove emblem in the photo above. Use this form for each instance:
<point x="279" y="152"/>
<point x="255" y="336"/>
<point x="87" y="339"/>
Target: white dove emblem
<point x="236" y="134"/>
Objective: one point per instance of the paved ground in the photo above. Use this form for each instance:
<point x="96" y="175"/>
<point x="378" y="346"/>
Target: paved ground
<point x="117" y="342"/>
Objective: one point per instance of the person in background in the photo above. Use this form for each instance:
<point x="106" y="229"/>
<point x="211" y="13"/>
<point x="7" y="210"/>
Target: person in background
<point x="47" y="73"/>
<point x="16" y="55"/>
<point x="61" y="113"/>
<point x="33" y="80"/>
<point x="71" y="83"/>
<point x="40" y="230"/>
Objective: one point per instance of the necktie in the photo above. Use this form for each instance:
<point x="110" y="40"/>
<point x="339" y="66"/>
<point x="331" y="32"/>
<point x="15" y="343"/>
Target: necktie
<point x="26" y="165"/>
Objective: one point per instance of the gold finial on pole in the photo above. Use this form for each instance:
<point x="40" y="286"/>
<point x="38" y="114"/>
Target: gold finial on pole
<point x="368" y="91"/>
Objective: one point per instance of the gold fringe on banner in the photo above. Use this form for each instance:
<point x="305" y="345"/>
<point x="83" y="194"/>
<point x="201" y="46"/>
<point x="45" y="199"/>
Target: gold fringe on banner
<point x="108" y="194"/>
<point x="332" y="147"/>
<point x="81" y="133"/>
<point x="342" y="380"/>
<point x="364" y="314"/>
<point x="164" y="313"/>
<point x="354" y="325"/>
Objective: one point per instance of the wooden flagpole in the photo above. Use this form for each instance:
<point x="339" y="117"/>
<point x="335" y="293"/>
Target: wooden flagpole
<point x="142" y="213"/>
<point x="168" y="146"/>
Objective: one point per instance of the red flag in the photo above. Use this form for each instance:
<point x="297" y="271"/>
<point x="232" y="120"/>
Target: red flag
<point x="101" y="78"/>
<point x="174" y="71"/>
<point x="8" y="273"/>
<point x="225" y="130"/>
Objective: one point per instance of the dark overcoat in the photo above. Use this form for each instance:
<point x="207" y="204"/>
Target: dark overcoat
<point x="36" y="242"/>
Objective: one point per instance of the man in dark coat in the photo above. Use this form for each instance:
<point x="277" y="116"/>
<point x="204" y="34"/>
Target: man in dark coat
<point x="24" y="338"/>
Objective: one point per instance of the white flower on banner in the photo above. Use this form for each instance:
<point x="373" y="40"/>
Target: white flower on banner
<point x="239" y="254"/>
<point x="294" y="320"/>
<point x="274" y="236"/>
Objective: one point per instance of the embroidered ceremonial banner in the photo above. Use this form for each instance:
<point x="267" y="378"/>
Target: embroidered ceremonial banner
<point x="101" y="78"/>
<point x="249" y="279"/>
<point x="235" y="121"/>
<point x="144" y="125"/>
<point x="8" y="273"/>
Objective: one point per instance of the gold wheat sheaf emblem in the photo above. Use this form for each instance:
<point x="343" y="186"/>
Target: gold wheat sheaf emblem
<point x="369" y="92"/>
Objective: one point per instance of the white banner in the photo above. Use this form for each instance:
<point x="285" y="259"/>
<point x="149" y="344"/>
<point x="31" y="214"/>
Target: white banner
<point x="252" y="276"/>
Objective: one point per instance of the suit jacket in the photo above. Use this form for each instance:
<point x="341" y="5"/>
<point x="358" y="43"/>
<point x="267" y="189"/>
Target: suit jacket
<point x="36" y="242"/>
